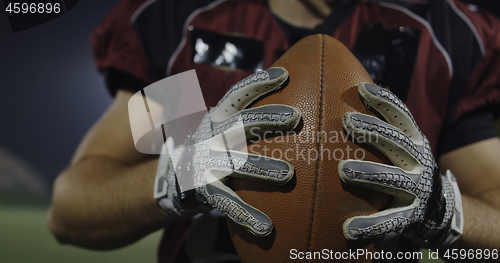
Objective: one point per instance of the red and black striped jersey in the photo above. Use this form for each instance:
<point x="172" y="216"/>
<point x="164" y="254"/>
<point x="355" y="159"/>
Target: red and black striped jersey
<point x="441" y="57"/>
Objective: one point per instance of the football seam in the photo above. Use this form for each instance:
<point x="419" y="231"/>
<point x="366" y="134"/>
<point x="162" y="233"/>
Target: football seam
<point x="320" y="117"/>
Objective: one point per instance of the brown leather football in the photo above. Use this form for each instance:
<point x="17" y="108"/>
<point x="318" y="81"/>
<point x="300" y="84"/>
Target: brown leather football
<point x="308" y="211"/>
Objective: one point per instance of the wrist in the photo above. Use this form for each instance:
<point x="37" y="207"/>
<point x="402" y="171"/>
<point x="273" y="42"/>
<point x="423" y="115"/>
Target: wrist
<point x="164" y="189"/>
<point x="430" y="235"/>
<point x="456" y="226"/>
<point x="454" y="214"/>
<point x="164" y="182"/>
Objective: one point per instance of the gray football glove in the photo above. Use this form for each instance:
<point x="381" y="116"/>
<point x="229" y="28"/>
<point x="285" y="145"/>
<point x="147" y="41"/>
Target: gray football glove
<point x="427" y="206"/>
<point x="191" y="179"/>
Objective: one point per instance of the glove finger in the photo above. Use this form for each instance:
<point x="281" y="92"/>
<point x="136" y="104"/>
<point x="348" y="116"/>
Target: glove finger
<point x="380" y="177"/>
<point x="389" y="140"/>
<point x="392" y="109"/>
<point x="257" y="121"/>
<point x="247" y="90"/>
<point x="379" y="224"/>
<point x="251" y="167"/>
<point x="229" y="203"/>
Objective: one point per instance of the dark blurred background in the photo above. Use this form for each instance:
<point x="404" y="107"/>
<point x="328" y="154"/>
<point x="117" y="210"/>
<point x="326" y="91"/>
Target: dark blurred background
<point x="50" y="94"/>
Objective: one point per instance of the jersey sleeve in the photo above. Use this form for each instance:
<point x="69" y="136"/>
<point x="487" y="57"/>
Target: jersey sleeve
<point x="475" y="114"/>
<point x="472" y="127"/>
<point x="117" y="51"/>
<point x="483" y="87"/>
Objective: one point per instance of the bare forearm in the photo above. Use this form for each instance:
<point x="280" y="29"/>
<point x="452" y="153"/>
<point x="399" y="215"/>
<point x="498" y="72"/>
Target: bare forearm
<point x="100" y="203"/>
<point x="482" y="225"/>
<point x="481" y="228"/>
<point x="476" y="167"/>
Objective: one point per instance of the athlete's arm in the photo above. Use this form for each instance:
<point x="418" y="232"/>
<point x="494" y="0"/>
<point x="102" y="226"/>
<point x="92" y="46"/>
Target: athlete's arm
<point x="104" y="199"/>
<point x="477" y="169"/>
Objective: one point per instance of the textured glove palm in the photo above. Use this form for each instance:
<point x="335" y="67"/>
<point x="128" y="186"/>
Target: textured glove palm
<point x="192" y="178"/>
<point x="426" y="206"/>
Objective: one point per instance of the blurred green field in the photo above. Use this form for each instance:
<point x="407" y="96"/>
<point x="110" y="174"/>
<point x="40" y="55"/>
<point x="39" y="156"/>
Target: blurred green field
<point x="24" y="237"/>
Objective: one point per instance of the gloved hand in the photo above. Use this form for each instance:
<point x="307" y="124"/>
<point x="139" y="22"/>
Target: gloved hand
<point x="427" y="205"/>
<point x="193" y="179"/>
